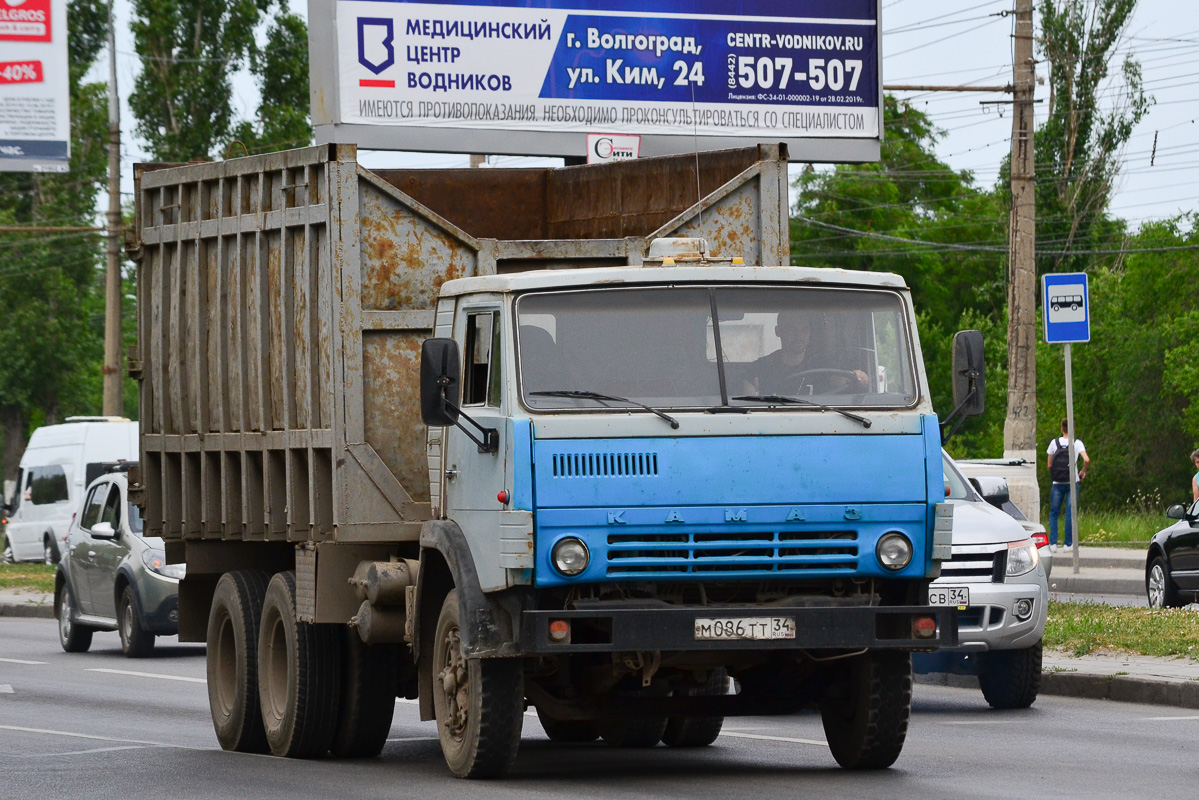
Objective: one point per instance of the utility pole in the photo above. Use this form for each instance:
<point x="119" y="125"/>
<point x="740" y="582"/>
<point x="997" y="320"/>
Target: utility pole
<point x="1020" y="428"/>
<point x="114" y="395"/>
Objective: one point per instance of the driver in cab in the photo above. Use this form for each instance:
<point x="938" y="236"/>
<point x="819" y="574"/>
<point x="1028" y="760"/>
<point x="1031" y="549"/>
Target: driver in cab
<point x="797" y="368"/>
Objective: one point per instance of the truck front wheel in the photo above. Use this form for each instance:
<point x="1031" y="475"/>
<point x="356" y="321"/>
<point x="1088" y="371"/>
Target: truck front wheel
<point x="299" y="675"/>
<point x="1011" y="678"/>
<point x="478" y="702"/>
<point x="233" y="622"/>
<point x="866" y="710"/>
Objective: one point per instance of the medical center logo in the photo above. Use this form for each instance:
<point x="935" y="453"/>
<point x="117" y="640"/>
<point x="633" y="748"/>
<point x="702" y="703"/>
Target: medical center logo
<point x="376" y="48"/>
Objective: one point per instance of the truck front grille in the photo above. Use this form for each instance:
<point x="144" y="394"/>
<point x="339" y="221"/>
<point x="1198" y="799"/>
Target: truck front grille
<point x="731" y="554"/>
<point x="604" y="465"/>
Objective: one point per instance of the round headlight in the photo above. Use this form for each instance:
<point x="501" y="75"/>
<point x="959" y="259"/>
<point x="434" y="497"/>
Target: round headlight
<point x="571" y="556"/>
<point x="894" y="551"/>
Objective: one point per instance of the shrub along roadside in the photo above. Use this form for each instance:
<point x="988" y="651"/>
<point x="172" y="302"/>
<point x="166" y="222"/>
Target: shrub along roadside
<point x="1083" y="628"/>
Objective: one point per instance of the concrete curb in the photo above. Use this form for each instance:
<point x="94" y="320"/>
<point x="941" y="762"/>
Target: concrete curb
<point x="1118" y="688"/>
<point x="38" y="610"/>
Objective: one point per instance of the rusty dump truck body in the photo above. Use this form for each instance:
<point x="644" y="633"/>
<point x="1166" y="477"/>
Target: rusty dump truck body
<point x="284" y="299"/>
<point x="634" y="515"/>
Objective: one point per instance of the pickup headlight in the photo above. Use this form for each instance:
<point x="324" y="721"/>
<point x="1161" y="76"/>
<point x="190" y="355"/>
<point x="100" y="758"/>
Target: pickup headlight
<point x="1022" y="557"/>
<point x="156" y="562"/>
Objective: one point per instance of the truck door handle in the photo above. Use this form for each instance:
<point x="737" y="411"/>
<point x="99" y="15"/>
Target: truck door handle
<point x="450" y="474"/>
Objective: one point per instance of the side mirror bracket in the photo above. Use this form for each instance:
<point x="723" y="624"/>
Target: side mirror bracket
<point x="969" y="381"/>
<point x="440" y="386"/>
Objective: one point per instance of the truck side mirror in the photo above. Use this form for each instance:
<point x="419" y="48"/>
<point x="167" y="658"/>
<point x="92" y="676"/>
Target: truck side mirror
<point x="969" y="376"/>
<point x="440" y="382"/>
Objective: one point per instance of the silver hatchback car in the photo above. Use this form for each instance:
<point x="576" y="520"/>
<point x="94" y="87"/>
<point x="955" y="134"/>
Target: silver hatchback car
<point x="111" y="577"/>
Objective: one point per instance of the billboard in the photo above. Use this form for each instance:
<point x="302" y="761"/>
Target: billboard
<point x="534" y="77"/>
<point x="35" y="108"/>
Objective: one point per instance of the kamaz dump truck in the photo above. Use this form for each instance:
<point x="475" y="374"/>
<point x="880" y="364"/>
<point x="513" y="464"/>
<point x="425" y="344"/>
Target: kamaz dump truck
<point x="511" y="439"/>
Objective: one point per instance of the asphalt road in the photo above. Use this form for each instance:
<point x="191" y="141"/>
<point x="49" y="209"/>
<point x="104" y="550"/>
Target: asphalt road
<point x="99" y="726"/>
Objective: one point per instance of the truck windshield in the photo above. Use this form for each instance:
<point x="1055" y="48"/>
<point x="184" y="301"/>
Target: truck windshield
<point x="671" y="347"/>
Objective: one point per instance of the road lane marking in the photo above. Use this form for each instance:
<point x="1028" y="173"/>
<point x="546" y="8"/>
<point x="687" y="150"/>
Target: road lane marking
<point x="414" y="739"/>
<point x="84" y="752"/>
<point x="149" y="675"/>
<point x="5" y="688"/>
<point x="1167" y="719"/>
<point x="21" y="661"/>
<point x="49" y="732"/>
<point x="774" y="738"/>
<point x="982" y="722"/>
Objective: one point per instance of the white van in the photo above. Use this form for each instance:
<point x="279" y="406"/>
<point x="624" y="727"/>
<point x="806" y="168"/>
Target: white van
<point x="59" y="461"/>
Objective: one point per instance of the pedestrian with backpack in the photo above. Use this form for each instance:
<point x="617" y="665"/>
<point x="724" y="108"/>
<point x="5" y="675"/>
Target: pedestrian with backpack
<point x="1059" y="471"/>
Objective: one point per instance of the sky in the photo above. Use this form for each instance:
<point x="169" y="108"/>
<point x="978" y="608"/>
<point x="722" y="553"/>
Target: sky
<point x="929" y="42"/>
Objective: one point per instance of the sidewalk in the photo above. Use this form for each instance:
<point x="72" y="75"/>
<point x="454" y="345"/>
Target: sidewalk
<point x="1101" y="571"/>
<point x="26" y="603"/>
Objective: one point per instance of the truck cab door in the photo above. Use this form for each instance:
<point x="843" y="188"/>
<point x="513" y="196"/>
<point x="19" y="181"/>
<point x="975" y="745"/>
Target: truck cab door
<point x="473" y="479"/>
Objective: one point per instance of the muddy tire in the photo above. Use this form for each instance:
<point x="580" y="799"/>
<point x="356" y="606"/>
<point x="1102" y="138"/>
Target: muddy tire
<point x="1011" y="678"/>
<point x="73" y="637"/>
<point x="478" y="702"/>
<point x="233" y="622"/>
<point x="866" y="711"/>
<point x="698" y="731"/>
<point x="369" y="674"/>
<point x="568" y="730"/>
<point x="299" y="675"/>
<point x="136" y="641"/>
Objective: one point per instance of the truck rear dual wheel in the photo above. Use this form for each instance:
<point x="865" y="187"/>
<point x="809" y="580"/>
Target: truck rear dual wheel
<point x="568" y="730"/>
<point x="299" y="675"/>
<point x="233" y="622"/>
<point x="866" y="711"/>
<point x="369" y="674"/>
<point x="633" y="731"/>
<point x="1011" y="678"/>
<point x="478" y="702"/>
<point x="698" y="731"/>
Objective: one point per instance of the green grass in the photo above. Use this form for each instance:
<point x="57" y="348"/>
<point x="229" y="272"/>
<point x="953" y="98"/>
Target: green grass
<point x="1083" y="628"/>
<point x="1117" y="528"/>
<point x="34" y="577"/>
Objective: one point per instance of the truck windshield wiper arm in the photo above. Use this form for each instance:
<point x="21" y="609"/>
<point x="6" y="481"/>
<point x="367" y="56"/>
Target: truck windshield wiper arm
<point x="799" y="401"/>
<point x="674" y="423"/>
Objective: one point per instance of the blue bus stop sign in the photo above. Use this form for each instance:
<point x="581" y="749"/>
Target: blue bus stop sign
<point x="1067" y="307"/>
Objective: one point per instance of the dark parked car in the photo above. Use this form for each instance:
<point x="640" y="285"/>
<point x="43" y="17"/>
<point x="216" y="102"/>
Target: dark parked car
<point x="1172" y="564"/>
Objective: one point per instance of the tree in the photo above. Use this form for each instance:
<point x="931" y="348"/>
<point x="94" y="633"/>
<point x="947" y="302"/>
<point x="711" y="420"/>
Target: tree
<point x="865" y="216"/>
<point x="51" y="337"/>
<point x="281" y="69"/>
<point x="1079" y="146"/>
<point x="189" y="48"/>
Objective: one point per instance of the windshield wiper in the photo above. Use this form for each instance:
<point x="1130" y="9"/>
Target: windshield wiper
<point x="674" y="423"/>
<point x="799" y="401"/>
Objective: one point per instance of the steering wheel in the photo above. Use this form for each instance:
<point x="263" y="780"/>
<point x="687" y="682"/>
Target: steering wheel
<point x="796" y="380"/>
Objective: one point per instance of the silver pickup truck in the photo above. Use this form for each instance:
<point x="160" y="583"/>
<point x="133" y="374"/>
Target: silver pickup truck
<point x="997" y="580"/>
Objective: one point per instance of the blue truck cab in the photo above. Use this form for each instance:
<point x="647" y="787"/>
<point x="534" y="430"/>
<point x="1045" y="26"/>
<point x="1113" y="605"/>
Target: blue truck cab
<point x="647" y="480"/>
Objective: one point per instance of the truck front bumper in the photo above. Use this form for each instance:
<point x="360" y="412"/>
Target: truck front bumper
<point x="614" y="628"/>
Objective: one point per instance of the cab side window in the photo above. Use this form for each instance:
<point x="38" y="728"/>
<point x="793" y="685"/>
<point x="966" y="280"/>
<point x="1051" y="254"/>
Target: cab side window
<point x="93" y="507"/>
<point x="48" y="485"/>
<point x="111" y="513"/>
<point x="481" y="380"/>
